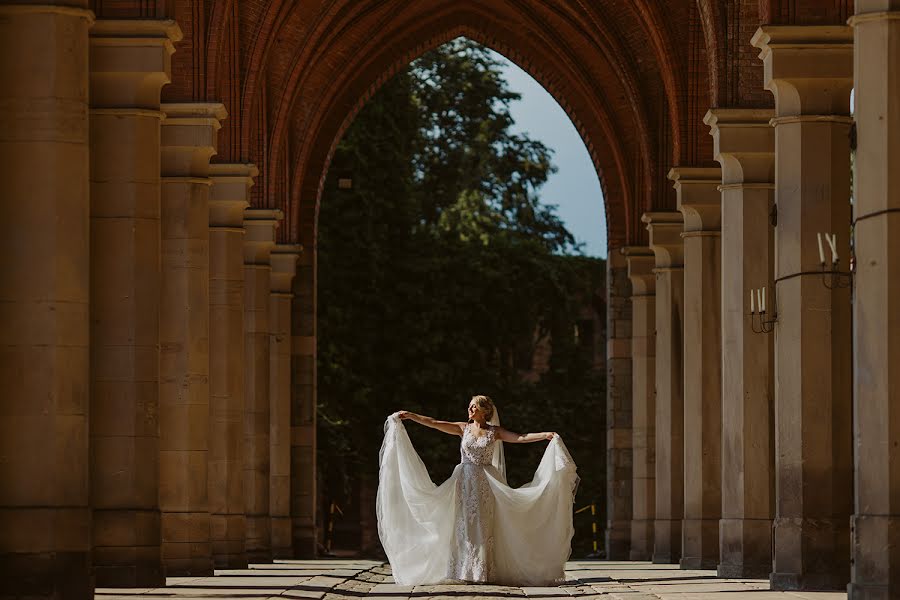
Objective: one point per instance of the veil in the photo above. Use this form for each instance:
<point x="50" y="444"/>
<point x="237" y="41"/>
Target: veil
<point x="499" y="460"/>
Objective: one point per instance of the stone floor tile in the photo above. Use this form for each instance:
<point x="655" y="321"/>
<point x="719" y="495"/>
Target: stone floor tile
<point x="544" y="591"/>
<point x="392" y="588"/>
<point x="372" y="580"/>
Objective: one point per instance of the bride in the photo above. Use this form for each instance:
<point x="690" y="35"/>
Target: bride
<point x="474" y="527"/>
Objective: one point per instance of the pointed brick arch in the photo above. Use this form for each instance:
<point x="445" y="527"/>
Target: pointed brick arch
<point x="351" y="49"/>
<point x="600" y="134"/>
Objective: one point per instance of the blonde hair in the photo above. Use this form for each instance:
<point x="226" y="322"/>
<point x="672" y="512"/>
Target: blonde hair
<point x="485" y="405"/>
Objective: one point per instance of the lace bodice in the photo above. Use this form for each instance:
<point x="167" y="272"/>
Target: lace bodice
<point x="477" y="449"/>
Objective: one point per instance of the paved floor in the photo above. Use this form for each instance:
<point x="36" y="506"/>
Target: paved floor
<point x="355" y="579"/>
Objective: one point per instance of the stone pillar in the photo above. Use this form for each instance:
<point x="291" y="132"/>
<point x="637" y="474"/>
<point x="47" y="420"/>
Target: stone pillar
<point x="260" y="225"/>
<point x="643" y="372"/>
<point x="876" y="525"/>
<point x="45" y="517"/>
<point x="700" y="203"/>
<point x="284" y="266"/>
<point x="744" y="144"/>
<point x="668" y="248"/>
<point x="303" y="407"/>
<point x="809" y="71"/>
<point x="618" y="407"/>
<point x="130" y="62"/>
<point x="229" y="196"/>
<point x="188" y="142"/>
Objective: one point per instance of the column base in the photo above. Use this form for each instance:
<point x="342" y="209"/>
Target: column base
<point x="189" y="568"/>
<point x="126" y="548"/>
<point x="811" y="554"/>
<point x="305" y="543"/>
<point x="697" y="564"/>
<point x="259" y="539"/>
<point x="132" y="576"/>
<point x="807" y="581"/>
<point x="876" y="556"/>
<point x="641" y="540"/>
<point x="259" y="556"/>
<point x="618" y="542"/>
<point x="227" y="535"/>
<point x="700" y="544"/>
<point x="745" y="548"/>
<point x="186" y="549"/>
<point x="281" y="537"/>
<point x="230" y="561"/>
<point x="50" y="575"/>
<point x="859" y="591"/>
<point x="667" y="541"/>
<point x="743" y="571"/>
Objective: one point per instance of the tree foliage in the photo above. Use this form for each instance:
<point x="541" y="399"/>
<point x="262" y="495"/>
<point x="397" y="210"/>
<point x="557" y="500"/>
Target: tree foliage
<point x="438" y="271"/>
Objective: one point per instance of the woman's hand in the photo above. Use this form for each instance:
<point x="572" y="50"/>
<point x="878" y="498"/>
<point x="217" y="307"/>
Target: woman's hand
<point x="550" y="435"/>
<point x="404" y="414"/>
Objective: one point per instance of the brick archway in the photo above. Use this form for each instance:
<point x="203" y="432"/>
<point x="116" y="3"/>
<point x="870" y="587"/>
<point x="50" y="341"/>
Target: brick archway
<point x="622" y="96"/>
<point x="599" y="133"/>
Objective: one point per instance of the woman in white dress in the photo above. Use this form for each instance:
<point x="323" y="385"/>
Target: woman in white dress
<point x="474" y="527"/>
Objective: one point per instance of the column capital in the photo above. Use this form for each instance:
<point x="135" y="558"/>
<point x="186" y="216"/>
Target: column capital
<point x="188" y="138"/>
<point x="284" y="266"/>
<point x="130" y="61"/>
<point x="259" y="237"/>
<point x="743" y="143"/>
<point x="809" y="69"/>
<point x="665" y="237"/>
<point x="874" y="10"/>
<point x="230" y="193"/>
<point x="641" y="262"/>
<point x="699" y="199"/>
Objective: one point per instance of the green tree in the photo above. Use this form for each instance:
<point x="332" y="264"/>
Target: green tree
<point x="437" y="270"/>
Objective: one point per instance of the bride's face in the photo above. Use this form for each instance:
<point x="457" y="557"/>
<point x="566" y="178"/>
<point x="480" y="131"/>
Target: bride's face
<point x="473" y="410"/>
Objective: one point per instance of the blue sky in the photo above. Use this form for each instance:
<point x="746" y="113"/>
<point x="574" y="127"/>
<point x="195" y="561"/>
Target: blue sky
<point x="575" y="187"/>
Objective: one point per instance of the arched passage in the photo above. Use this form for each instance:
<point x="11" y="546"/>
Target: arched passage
<point x="570" y="50"/>
<point x="636" y="78"/>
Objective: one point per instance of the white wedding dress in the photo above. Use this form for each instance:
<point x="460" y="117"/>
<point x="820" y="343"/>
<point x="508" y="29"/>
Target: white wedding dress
<point x="474" y="527"/>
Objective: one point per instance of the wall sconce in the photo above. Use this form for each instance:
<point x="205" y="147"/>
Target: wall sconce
<point x="760" y="322"/>
<point x="832" y="279"/>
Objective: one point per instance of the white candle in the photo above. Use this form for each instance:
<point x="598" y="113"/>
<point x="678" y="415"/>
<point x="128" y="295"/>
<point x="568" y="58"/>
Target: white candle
<point x="759" y="303"/>
<point x="763" y="309"/>
<point x="832" y="243"/>
<point x="821" y="252"/>
<point x="752" y="306"/>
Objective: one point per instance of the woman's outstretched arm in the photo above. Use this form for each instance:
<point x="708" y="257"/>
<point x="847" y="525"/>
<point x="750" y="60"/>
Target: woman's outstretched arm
<point x="451" y="427"/>
<point x="524" y="438"/>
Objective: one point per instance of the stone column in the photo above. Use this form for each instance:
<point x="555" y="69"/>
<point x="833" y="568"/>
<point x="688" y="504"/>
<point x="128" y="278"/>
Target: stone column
<point x="284" y="266"/>
<point x="744" y="144"/>
<point x="260" y="225"/>
<point x="809" y="71"/>
<point x="130" y="62"/>
<point x="618" y="407"/>
<point x="643" y="372"/>
<point x="668" y="248"/>
<point x="303" y="406"/>
<point x="876" y="525"/>
<point x="188" y="142"/>
<point x="45" y="517"/>
<point x="229" y="196"/>
<point x="700" y="203"/>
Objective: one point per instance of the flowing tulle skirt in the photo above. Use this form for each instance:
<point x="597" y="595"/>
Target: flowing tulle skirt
<point x="474" y="526"/>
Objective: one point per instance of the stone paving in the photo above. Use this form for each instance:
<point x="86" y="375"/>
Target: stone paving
<point x="355" y="579"/>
